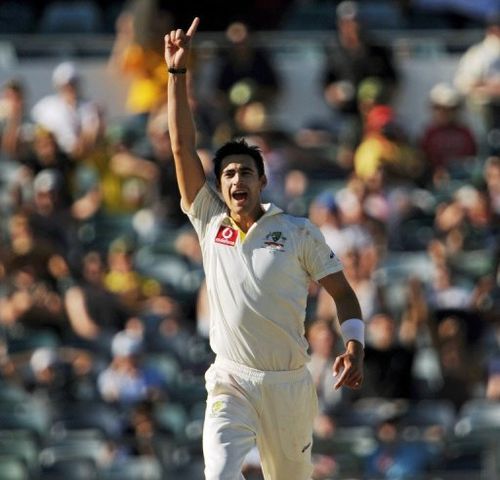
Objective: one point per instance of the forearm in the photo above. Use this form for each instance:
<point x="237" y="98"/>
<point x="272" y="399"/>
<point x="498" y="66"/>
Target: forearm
<point x="348" y="307"/>
<point x="351" y="323"/>
<point x="79" y="319"/>
<point x="10" y="139"/>
<point x="180" y="119"/>
<point x="189" y="169"/>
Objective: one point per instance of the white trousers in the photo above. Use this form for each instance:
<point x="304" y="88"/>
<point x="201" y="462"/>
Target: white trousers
<point x="248" y="407"/>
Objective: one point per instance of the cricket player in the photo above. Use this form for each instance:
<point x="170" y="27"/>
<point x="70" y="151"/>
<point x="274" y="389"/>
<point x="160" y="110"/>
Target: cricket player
<point x="258" y="263"/>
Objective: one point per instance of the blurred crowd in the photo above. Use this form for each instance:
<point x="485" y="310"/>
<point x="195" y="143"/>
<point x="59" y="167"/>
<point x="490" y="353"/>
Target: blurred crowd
<point x="99" y="16"/>
<point x="103" y="313"/>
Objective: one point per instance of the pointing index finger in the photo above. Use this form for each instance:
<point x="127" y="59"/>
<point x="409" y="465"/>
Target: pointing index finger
<point x="342" y="380"/>
<point x="192" y="29"/>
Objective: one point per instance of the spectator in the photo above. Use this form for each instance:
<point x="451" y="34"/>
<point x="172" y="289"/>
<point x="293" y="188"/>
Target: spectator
<point x="95" y="314"/>
<point x="465" y="222"/>
<point x="446" y="292"/>
<point x="493" y="380"/>
<point x="476" y="78"/>
<point x="155" y="152"/>
<point x="388" y="363"/>
<point x="458" y="358"/>
<point x="45" y="153"/>
<point x="138" y="292"/>
<point x="445" y="138"/>
<point x="23" y="250"/>
<point x="385" y="150"/>
<point x="276" y="148"/>
<point x="296" y="185"/>
<point x="137" y="54"/>
<point x="397" y="459"/>
<point x="325" y="213"/>
<point x="246" y="77"/>
<point x="368" y="292"/>
<point x="60" y="375"/>
<point x="14" y="121"/>
<point x="72" y="119"/>
<point x="126" y="381"/>
<point x="49" y="217"/>
<point x="141" y="430"/>
<point x="202" y="312"/>
<point x="322" y="342"/>
<point x="355" y="57"/>
<point x="33" y="270"/>
<point x="491" y="175"/>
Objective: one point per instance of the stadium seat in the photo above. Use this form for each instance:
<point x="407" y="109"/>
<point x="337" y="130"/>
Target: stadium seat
<point x="369" y="411"/>
<point x="168" y="269"/>
<point x="12" y="393"/>
<point x="171" y="418"/>
<point x="309" y="16"/>
<point x="22" y="444"/>
<point x="89" y="415"/>
<point x="112" y="10"/>
<point x="425" y="414"/>
<point x="349" y="447"/>
<point x="12" y="467"/>
<point x="99" y="232"/>
<point x="166" y="364"/>
<point x="139" y="468"/>
<point x="71" y="17"/>
<point x="27" y="340"/>
<point x="189" y="389"/>
<point x="76" y="468"/>
<point x="473" y="263"/>
<point x="479" y="419"/>
<point x="16" y="17"/>
<point x="381" y="15"/>
<point x="31" y="414"/>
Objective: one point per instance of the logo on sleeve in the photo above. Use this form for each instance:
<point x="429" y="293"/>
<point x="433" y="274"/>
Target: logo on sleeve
<point x="227" y="236"/>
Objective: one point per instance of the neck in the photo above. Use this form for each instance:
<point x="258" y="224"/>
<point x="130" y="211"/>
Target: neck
<point x="245" y="221"/>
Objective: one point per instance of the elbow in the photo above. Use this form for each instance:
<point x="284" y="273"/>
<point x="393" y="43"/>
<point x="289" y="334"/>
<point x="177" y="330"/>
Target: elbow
<point x="181" y="148"/>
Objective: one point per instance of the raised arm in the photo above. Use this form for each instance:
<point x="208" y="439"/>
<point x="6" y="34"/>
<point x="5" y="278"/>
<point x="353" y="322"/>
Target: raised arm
<point x="188" y="166"/>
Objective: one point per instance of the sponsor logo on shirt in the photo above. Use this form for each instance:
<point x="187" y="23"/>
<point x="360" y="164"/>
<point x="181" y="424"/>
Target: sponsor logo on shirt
<point x="226" y="235"/>
<point x="275" y="241"/>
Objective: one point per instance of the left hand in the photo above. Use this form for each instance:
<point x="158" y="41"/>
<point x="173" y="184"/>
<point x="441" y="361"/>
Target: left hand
<point x="177" y="45"/>
<point x="350" y="366"/>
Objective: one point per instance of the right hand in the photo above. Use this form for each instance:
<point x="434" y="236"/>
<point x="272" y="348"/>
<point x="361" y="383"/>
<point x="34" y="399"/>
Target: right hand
<point x="177" y="45"/>
<point x="348" y="367"/>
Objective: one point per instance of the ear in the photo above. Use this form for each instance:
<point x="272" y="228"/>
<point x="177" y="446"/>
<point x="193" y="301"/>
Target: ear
<point x="217" y="185"/>
<point x="263" y="181"/>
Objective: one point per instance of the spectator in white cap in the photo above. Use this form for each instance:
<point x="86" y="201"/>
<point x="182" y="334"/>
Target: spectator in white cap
<point x="446" y="138"/>
<point x="127" y="380"/>
<point x="72" y="119"/>
<point x="49" y="213"/>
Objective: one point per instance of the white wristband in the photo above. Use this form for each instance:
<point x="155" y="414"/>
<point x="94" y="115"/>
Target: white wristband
<point x="353" y="329"/>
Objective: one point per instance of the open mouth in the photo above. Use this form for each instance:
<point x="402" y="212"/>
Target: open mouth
<point x="240" y="195"/>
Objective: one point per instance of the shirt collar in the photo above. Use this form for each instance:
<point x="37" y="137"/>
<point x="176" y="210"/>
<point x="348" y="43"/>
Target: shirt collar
<point x="270" y="209"/>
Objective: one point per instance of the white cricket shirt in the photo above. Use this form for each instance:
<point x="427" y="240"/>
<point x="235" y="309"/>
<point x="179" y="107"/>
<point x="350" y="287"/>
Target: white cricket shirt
<point x="258" y="288"/>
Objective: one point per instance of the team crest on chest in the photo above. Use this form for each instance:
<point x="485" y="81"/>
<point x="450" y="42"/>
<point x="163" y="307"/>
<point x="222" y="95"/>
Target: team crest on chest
<point x="226" y="235"/>
<point x="275" y="241"/>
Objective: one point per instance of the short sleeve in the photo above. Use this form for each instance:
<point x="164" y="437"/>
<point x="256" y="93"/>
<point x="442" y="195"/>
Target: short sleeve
<point x="318" y="258"/>
<point x="206" y="205"/>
